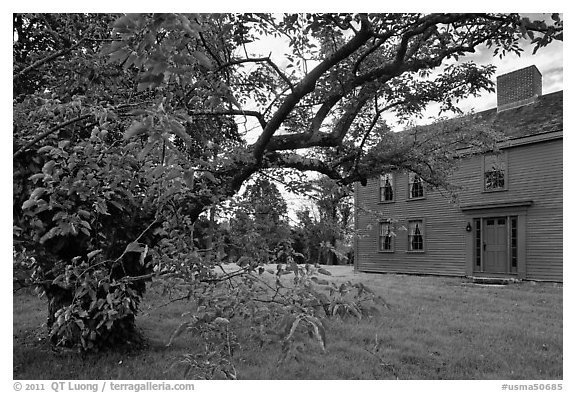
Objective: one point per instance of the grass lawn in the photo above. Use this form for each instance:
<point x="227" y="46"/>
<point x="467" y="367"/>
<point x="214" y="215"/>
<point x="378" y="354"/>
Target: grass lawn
<point x="435" y="328"/>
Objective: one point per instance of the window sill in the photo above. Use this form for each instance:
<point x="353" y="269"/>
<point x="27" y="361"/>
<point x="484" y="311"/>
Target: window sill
<point x="415" y="251"/>
<point x="385" y="202"/>
<point x="495" y="190"/>
<point x="416" y="199"/>
<point x="386" y="251"/>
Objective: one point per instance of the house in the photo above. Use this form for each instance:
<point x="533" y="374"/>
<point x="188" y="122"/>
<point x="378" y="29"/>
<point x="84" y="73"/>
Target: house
<point x="508" y="218"/>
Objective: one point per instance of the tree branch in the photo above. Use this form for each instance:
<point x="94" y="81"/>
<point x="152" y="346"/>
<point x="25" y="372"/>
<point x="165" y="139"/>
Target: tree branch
<point x="307" y="85"/>
<point x="52" y="130"/>
<point x="231" y="112"/>
<point x="296" y="161"/>
<point x="44" y="60"/>
<point x="266" y="60"/>
<point x="48" y="132"/>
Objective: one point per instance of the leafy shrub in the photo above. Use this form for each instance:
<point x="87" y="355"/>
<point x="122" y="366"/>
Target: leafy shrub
<point x="287" y="305"/>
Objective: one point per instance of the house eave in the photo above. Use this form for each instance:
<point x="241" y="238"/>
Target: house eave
<point x="511" y="204"/>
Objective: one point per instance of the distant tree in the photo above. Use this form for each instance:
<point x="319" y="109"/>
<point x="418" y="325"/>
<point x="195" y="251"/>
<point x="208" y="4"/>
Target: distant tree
<point x="260" y="224"/>
<point x="324" y="231"/>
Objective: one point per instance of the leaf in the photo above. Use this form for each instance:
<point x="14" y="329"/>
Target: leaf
<point x="92" y="254"/>
<point x="37" y="176"/>
<point x="150" y="80"/>
<point x="44" y="149"/>
<point x="190" y="28"/>
<point x="293" y="328"/>
<point x="243" y="261"/>
<point x="135" y="247"/>
<point x="83" y="213"/>
<point x="63" y="144"/>
<point x="210" y="177"/>
<point x="189" y="178"/>
<point x="143" y="255"/>
<point x="29" y="203"/>
<point x="119" y="55"/>
<point x="319" y="331"/>
<point x="149" y="146"/>
<point x="202" y="59"/>
<point x="320" y="281"/>
<point x="178" y="129"/>
<point x="47" y="168"/>
<point x="221" y="321"/>
<point x="324" y="271"/>
<point x="135" y="128"/>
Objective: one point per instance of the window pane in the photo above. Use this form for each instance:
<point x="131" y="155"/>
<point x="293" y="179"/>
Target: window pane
<point x="494" y="179"/>
<point x="416" y="186"/>
<point x="386" y="187"/>
<point x="514" y="242"/>
<point x="415" y="235"/>
<point x="494" y="172"/>
<point x="387" y="242"/>
<point x="478" y="245"/>
<point x="385" y="238"/>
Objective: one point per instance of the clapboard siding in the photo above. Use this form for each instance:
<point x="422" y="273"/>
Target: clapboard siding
<point x="443" y="223"/>
<point x="534" y="172"/>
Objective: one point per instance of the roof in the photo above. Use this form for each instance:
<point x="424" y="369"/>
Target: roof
<point x="541" y="117"/>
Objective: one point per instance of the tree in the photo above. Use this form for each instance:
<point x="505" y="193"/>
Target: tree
<point x="259" y="227"/>
<point x="128" y="127"/>
<point x="322" y="233"/>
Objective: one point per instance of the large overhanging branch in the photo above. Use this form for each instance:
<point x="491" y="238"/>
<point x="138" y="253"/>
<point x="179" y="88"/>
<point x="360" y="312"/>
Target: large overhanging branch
<point x="323" y="139"/>
<point x="383" y="74"/>
<point x="306" y="86"/>
<point x="297" y="161"/>
<point x="232" y="112"/>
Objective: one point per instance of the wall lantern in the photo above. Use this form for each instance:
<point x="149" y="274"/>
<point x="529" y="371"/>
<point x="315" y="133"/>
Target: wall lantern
<point x="468" y="228"/>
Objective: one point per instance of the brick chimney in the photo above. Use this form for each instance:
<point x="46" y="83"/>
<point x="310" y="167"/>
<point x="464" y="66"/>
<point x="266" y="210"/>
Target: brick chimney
<point x="518" y="88"/>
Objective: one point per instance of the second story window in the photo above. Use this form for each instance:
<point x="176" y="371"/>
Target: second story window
<point x="415" y="186"/>
<point x="495" y="172"/>
<point x="387" y="188"/>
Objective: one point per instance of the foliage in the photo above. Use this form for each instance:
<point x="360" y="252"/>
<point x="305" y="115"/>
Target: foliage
<point x="284" y="305"/>
<point x="259" y="228"/>
<point x="324" y="234"/>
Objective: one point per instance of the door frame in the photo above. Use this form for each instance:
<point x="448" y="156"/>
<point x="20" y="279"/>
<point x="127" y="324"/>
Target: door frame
<point x="482" y="212"/>
<point x="482" y="252"/>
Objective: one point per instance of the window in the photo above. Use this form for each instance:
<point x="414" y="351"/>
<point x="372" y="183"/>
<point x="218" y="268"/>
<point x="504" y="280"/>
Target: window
<point x="514" y="244"/>
<point x="385" y="238"/>
<point x="415" y="186"/>
<point x="495" y="172"/>
<point x="415" y="235"/>
<point x="386" y="188"/>
<point x="477" y="244"/>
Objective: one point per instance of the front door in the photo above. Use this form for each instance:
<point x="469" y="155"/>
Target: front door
<point x="496" y="245"/>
